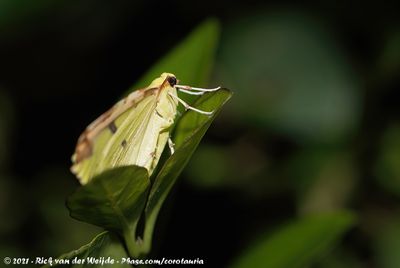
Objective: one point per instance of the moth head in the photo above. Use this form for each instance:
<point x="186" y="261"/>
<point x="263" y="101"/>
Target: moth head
<point x="165" y="79"/>
<point x="170" y="78"/>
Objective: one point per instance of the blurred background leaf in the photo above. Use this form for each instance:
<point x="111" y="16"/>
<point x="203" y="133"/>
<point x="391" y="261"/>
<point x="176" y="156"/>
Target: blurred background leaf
<point x="298" y="244"/>
<point x="292" y="78"/>
<point x="324" y="180"/>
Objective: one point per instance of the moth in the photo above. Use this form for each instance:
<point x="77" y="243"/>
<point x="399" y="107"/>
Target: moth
<point x="134" y="131"/>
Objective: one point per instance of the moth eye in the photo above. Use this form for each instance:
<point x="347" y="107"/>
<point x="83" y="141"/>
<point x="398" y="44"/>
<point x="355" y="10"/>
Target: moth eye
<point x="172" y="80"/>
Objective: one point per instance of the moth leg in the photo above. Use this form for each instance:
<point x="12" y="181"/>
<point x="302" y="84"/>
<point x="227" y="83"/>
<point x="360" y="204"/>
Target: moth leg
<point x="171" y="146"/>
<point x="188" y="107"/>
<point x="189" y="88"/>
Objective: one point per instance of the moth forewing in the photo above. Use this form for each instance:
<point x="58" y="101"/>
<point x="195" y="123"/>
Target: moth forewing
<point x="133" y="132"/>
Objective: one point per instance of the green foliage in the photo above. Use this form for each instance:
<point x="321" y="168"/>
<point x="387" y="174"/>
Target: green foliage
<point x="103" y="245"/>
<point x="299" y="243"/>
<point x="113" y="200"/>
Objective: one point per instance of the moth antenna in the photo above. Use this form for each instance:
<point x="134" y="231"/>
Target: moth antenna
<point x="190" y="92"/>
<point x="188" y="107"/>
<point x="188" y="88"/>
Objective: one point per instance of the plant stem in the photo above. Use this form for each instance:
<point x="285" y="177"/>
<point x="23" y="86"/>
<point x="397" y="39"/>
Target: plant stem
<point x="132" y="245"/>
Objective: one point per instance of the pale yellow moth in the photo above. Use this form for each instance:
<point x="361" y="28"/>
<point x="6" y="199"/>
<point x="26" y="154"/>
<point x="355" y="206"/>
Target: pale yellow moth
<point x="134" y="131"/>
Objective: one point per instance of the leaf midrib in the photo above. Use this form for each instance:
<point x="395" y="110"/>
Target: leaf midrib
<point x="114" y="205"/>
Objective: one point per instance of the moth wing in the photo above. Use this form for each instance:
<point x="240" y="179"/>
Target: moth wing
<point x="113" y="139"/>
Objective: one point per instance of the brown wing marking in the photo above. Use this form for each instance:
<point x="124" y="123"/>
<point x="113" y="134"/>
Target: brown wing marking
<point x="112" y="127"/>
<point x="84" y="147"/>
<point x="124" y="143"/>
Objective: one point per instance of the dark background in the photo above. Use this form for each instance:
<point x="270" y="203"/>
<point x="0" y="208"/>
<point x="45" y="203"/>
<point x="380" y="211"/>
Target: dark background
<point x="313" y="125"/>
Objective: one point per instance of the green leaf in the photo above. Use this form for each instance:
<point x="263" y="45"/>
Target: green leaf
<point x="191" y="61"/>
<point x="299" y="243"/>
<point x="113" y="200"/>
<point x="103" y="245"/>
<point x="188" y="133"/>
<point x="191" y="121"/>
